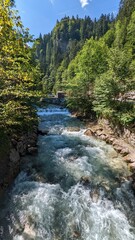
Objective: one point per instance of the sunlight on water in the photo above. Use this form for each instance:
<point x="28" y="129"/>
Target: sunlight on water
<point x="72" y="188"/>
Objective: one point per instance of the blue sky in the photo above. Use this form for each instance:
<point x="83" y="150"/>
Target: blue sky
<point x="40" y="15"/>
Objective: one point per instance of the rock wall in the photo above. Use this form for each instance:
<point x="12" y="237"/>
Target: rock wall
<point x="10" y="164"/>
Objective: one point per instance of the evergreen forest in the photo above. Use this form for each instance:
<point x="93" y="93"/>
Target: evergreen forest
<point x="93" y="62"/>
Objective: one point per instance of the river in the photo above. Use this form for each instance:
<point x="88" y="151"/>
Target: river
<point x="74" y="188"/>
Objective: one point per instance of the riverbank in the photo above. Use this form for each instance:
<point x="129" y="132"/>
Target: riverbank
<point x="122" y="141"/>
<point x="18" y="147"/>
<point x="79" y="189"/>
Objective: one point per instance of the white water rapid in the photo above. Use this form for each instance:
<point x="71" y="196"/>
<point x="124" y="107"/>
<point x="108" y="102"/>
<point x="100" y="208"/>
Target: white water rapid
<point x="74" y="188"/>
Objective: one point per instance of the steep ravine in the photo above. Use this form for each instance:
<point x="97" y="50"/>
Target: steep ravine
<point x="76" y="187"/>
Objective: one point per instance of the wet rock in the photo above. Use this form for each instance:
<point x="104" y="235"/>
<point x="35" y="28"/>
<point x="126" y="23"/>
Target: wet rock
<point x="107" y="188"/>
<point x="32" y="150"/>
<point x="43" y="132"/>
<point x="76" y="234"/>
<point x="73" y="129"/>
<point x="72" y="158"/>
<point x="29" y="231"/>
<point x="85" y="180"/>
<point x="38" y="178"/>
<point x="133" y="186"/>
<point x="94" y="195"/>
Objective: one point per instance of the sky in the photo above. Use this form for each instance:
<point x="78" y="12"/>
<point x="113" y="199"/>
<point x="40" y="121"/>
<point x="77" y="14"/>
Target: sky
<point x="40" y="16"/>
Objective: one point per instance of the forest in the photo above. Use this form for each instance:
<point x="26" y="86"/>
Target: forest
<point x="67" y="171"/>
<point x="92" y="61"/>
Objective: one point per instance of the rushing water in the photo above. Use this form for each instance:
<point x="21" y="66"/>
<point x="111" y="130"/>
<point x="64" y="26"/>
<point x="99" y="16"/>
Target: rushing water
<point x="75" y="188"/>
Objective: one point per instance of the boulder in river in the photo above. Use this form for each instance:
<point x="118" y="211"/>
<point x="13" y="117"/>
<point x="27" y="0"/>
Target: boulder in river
<point x="94" y="195"/>
<point x="29" y="232"/>
<point x="85" y="180"/>
<point x="43" y="132"/>
<point x="76" y="234"/>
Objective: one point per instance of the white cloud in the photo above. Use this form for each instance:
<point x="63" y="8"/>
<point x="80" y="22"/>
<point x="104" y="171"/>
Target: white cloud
<point x="84" y="3"/>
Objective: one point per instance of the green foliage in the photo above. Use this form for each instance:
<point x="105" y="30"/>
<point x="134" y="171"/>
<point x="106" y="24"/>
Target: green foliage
<point x="82" y="72"/>
<point x="103" y="72"/>
<point x="93" y="62"/>
<point x="19" y="73"/>
<point x="56" y="50"/>
<point x="105" y="93"/>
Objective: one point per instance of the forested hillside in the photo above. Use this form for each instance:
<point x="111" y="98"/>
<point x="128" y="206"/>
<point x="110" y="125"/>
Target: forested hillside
<point x="104" y="71"/>
<point x="57" y="49"/>
<point x="19" y="73"/>
<point x="99" y="76"/>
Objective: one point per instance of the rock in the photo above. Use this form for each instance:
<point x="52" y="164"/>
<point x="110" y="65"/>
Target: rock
<point x="130" y="158"/>
<point x="103" y="137"/>
<point x="85" y="180"/>
<point x="111" y="140"/>
<point x="124" y="151"/>
<point x="73" y="129"/>
<point x="99" y="132"/>
<point x="32" y="150"/>
<point x="94" y="195"/>
<point x="118" y="148"/>
<point x="89" y="132"/>
<point x="29" y="231"/>
<point x="21" y="148"/>
<point x="14" y="156"/>
<point x="107" y="188"/>
<point x="132" y="166"/>
<point x="31" y="143"/>
<point x="14" y="142"/>
<point x="115" y="142"/>
<point x="133" y="185"/>
<point x="43" y="132"/>
<point x="76" y="234"/>
<point x="72" y="158"/>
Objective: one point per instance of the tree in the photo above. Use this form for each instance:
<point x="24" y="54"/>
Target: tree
<point x="18" y="71"/>
<point x="82" y="72"/>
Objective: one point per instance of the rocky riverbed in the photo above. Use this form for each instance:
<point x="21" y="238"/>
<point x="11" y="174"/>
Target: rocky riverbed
<point x="122" y="142"/>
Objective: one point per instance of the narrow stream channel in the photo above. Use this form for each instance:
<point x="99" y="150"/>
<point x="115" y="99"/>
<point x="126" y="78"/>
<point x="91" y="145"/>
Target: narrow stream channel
<point x="74" y="188"/>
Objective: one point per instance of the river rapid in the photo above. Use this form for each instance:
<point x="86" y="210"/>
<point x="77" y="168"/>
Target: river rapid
<point x="74" y="188"/>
